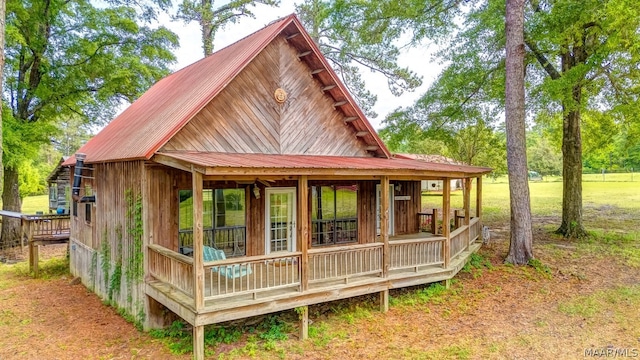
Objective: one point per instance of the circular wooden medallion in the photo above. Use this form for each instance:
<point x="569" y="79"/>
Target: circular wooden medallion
<point x="280" y="95"/>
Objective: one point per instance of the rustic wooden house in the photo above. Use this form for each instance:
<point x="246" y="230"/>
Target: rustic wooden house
<point x="250" y="182"/>
<point x="59" y="188"/>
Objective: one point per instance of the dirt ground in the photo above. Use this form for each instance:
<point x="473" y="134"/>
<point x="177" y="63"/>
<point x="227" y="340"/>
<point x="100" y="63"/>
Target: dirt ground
<point x="504" y="312"/>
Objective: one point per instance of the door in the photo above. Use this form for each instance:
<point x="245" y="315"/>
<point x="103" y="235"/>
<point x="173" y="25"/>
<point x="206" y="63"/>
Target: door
<point x="391" y="210"/>
<point x="280" y="219"/>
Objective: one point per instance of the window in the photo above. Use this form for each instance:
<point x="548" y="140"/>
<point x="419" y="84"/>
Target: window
<point x="223" y="220"/>
<point x="334" y="214"/>
<point x="75" y="208"/>
<point x="87" y="213"/>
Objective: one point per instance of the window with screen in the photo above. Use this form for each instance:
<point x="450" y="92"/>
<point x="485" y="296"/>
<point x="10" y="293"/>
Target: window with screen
<point x="334" y="214"/>
<point x="223" y="220"/>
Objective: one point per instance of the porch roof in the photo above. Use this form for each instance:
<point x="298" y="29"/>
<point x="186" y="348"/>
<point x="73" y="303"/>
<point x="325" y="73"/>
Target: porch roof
<point x="210" y="163"/>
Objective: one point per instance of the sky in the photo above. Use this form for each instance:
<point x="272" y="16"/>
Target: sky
<point x="190" y="51"/>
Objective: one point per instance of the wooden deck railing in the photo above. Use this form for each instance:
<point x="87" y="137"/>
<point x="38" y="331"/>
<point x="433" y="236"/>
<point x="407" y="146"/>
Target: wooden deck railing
<point x="458" y="240"/>
<point x="474" y="230"/>
<point x="46" y="227"/>
<point x="251" y="275"/>
<point x="426" y="221"/>
<point x="172" y="268"/>
<point x="230" y="239"/>
<point x="345" y="262"/>
<point x="412" y="254"/>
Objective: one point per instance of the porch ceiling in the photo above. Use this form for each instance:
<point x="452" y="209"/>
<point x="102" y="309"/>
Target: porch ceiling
<point x="275" y="165"/>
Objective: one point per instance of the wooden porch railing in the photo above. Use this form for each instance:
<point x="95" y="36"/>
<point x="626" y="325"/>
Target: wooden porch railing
<point x="251" y="275"/>
<point x="412" y="254"/>
<point x="230" y="239"/>
<point x="172" y="268"/>
<point x="345" y="262"/>
<point x="474" y="230"/>
<point x="458" y="240"/>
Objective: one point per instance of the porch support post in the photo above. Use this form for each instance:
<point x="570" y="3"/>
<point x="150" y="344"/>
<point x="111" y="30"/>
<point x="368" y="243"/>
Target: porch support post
<point x="198" y="269"/>
<point x="303" y="233"/>
<point x="446" y="208"/>
<point x="384" y="223"/>
<point x="434" y="222"/>
<point x="154" y="317"/>
<point x="479" y="197"/>
<point x="384" y="301"/>
<point x="303" y="313"/>
<point x="467" y="208"/>
<point x="198" y="342"/>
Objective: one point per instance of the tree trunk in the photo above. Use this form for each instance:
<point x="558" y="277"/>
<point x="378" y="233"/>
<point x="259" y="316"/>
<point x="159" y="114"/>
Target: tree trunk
<point x="2" y="31"/>
<point x="520" y="249"/>
<point x="571" y="225"/>
<point x="10" y="235"/>
<point x="205" y="26"/>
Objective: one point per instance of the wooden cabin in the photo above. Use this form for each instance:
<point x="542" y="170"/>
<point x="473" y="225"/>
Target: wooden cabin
<point x="250" y="182"/>
<point x="59" y="188"/>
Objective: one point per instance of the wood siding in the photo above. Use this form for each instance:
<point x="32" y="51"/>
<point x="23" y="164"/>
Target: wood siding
<point x="367" y="211"/>
<point x="245" y="118"/>
<point x="406" y="211"/>
<point x="107" y="236"/>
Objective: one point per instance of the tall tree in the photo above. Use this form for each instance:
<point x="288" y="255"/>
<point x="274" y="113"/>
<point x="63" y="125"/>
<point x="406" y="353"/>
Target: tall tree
<point x="582" y="55"/>
<point x="3" y="8"/>
<point x="353" y="37"/>
<point x="520" y="248"/>
<point x="70" y="58"/>
<point x="213" y="16"/>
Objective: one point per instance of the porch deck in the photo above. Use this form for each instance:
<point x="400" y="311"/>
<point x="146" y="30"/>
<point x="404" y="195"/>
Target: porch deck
<point x="286" y="280"/>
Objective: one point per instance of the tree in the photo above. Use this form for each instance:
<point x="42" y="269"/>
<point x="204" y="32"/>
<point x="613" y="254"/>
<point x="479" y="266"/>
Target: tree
<point x="3" y="6"/>
<point x="542" y="156"/>
<point x="582" y="56"/>
<point x="350" y="39"/>
<point x="213" y="17"/>
<point x="520" y="248"/>
<point x="70" y="59"/>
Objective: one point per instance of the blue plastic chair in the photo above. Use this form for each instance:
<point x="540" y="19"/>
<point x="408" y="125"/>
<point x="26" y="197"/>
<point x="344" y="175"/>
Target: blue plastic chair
<point x="230" y="271"/>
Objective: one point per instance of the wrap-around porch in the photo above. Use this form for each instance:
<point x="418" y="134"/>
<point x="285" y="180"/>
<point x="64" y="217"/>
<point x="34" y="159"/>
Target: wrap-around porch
<point x="205" y="291"/>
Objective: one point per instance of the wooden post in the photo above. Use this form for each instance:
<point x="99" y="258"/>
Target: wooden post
<point x="198" y="269"/>
<point x="303" y="231"/>
<point x="384" y="223"/>
<point x="479" y="197"/>
<point x="304" y="322"/>
<point x="467" y="208"/>
<point x="198" y="339"/>
<point x="446" y="204"/>
<point x="434" y="222"/>
<point x="384" y="301"/>
<point x="456" y="218"/>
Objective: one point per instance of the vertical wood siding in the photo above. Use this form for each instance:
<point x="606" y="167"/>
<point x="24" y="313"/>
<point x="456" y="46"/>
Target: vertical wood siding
<point x="245" y="118"/>
<point x="107" y="235"/>
<point x="406" y="211"/>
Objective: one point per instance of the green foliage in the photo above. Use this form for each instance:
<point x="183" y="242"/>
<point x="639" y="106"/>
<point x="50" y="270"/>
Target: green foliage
<point x="540" y="267"/>
<point x="134" y="267"/>
<point x="213" y="17"/>
<point x="433" y="293"/>
<point x="176" y="337"/>
<point x="116" y="276"/>
<point x="354" y="35"/>
<point x="105" y="252"/>
<point x="476" y="264"/>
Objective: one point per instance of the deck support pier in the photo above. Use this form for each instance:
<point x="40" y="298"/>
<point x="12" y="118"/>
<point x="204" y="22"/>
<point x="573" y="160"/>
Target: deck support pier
<point x="198" y="342"/>
<point x="384" y="301"/>
<point x="303" y="313"/>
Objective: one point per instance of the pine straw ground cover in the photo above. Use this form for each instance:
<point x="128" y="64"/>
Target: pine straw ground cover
<point x="579" y="295"/>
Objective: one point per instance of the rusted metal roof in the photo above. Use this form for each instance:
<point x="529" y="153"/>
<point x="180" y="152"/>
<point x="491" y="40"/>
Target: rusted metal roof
<point x="240" y="163"/>
<point x="433" y="158"/>
<point x="147" y="124"/>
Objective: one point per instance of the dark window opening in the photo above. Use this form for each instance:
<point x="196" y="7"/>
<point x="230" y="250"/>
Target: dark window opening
<point x="75" y="208"/>
<point x="87" y="213"/>
<point x="334" y="214"/>
<point x="223" y="221"/>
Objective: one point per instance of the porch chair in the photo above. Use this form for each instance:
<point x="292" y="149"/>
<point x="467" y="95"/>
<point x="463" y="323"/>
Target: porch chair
<point x="231" y="271"/>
